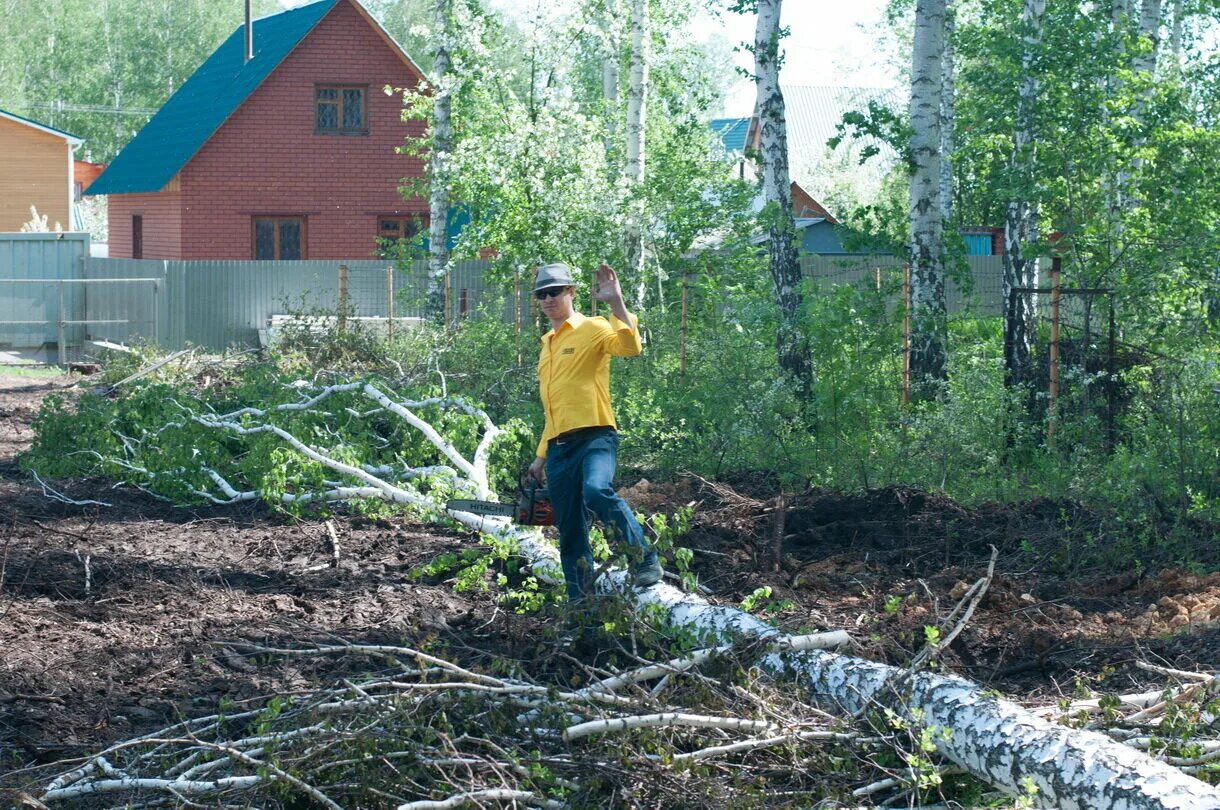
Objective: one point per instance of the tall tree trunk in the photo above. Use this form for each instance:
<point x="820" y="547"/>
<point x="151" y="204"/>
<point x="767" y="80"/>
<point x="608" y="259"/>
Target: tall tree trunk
<point x="1021" y="216"/>
<point x="637" y="115"/>
<point x="792" y="349"/>
<point x="929" y="361"/>
<point x="947" y="111"/>
<point x="1150" y="32"/>
<point x="438" y="175"/>
<point x="1175" y="34"/>
<point x="610" y="80"/>
<point x="1144" y="67"/>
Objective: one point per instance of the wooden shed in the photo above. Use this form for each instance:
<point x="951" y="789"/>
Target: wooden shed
<point x="35" y="169"/>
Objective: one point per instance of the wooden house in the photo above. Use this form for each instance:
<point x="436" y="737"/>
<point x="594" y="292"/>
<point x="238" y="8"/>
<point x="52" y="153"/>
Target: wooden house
<point x="290" y="154"/>
<point x="35" y="170"/>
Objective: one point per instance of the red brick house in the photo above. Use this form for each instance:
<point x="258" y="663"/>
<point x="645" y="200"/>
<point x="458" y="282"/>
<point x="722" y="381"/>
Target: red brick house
<point x="289" y="155"/>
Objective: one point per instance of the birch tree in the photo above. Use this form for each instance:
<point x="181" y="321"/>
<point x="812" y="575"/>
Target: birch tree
<point x="1021" y="215"/>
<point x="929" y="361"/>
<point x="610" y="80"/>
<point x="637" y="114"/>
<point x="441" y="147"/>
<point x="791" y="345"/>
<point x="947" y="101"/>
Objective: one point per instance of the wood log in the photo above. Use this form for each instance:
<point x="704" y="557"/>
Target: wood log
<point x="996" y="740"/>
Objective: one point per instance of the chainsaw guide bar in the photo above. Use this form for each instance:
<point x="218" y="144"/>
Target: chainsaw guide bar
<point x="489" y="508"/>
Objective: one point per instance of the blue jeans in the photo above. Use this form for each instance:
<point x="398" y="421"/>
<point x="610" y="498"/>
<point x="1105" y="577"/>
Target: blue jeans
<point x="579" y="470"/>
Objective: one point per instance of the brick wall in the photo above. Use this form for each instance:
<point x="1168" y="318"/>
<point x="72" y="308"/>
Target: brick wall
<point x="266" y="158"/>
<point x="804" y="205"/>
<point x="162" y="215"/>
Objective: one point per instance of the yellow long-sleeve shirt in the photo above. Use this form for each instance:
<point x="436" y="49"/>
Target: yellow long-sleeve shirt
<point x="574" y="372"/>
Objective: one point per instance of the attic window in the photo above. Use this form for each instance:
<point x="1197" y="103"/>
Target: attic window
<point x="340" y="110"/>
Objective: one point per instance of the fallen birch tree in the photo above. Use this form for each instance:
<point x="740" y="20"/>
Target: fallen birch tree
<point x="993" y="739"/>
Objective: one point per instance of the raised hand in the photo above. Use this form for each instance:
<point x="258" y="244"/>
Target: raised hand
<point x="608" y="288"/>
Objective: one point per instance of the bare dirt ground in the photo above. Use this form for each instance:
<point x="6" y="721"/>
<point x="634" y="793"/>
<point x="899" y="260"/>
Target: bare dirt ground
<point x="111" y="616"/>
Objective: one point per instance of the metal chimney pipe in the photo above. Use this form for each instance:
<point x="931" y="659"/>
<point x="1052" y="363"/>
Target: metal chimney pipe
<point x="249" y="33"/>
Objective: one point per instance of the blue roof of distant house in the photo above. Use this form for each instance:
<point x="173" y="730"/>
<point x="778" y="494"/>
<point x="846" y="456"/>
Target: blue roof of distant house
<point x="205" y="101"/>
<point x="732" y="132"/>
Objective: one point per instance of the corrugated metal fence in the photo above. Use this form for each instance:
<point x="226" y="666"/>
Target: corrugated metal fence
<point x="38" y="289"/>
<point x="217" y="304"/>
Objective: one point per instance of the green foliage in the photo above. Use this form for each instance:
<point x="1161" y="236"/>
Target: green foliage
<point x="148" y="434"/>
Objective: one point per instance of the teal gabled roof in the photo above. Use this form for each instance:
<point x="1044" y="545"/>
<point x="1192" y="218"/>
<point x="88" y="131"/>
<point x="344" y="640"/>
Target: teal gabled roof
<point x="732" y="132"/>
<point x="205" y="101"/>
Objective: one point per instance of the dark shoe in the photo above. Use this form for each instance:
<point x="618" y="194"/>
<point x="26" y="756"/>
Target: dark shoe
<point x="647" y="574"/>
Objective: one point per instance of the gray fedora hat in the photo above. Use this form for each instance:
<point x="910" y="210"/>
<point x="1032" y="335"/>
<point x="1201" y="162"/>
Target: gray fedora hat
<point x="553" y="275"/>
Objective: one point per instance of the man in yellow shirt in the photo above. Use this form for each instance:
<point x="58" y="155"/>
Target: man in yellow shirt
<point x="579" y="446"/>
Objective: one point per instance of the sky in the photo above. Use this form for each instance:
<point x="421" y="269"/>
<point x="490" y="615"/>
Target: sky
<point x="829" y="44"/>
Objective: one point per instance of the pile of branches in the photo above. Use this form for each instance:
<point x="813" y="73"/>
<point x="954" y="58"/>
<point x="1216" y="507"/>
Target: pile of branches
<point x="424" y="732"/>
<point x="1178" y="724"/>
<point x="304" y="444"/>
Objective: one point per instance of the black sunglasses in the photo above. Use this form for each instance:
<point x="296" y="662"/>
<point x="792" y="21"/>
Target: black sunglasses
<point x="550" y="292"/>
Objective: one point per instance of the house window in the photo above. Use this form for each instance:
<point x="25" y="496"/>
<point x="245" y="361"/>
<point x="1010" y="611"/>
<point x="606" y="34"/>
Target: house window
<point x="137" y="236"/>
<point x="340" y="110"/>
<point x="279" y="237"/>
<point x="398" y="227"/>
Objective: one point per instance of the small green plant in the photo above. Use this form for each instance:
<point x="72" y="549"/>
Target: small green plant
<point x="892" y="603"/>
<point x="755" y="599"/>
<point x="931" y="635"/>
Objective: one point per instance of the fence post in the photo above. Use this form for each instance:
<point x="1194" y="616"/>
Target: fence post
<point x="342" y="323"/>
<point x="63" y="350"/>
<point x="156" y="313"/>
<point x="906" y="335"/>
<point x="1056" y="266"/>
<point x="389" y="303"/>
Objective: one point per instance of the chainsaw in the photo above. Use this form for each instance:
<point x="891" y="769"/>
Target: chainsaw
<point x="533" y="506"/>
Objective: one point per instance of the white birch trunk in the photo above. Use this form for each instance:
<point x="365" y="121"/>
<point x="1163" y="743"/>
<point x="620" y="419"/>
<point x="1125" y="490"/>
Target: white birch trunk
<point x="947" y="114"/>
<point x="438" y="175"/>
<point x="929" y="362"/>
<point x="1020" y="221"/>
<point x="994" y="739"/>
<point x="637" y="116"/>
<point x="1144" y="67"/>
<point x="1150" y="32"/>
<point x="1175" y="33"/>
<point x="792" y="351"/>
<point x="610" y="82"/>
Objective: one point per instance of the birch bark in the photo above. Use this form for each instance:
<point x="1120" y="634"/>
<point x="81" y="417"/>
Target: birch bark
<point x="792" y="349"/>
<point x="1021" y="218"/>
<point x="637" y="113"/>
<point x="442" y="145"/>
<point x="929" y="361"/>
<point x="1175" y="34"/>
<point x="947" y="110"/>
